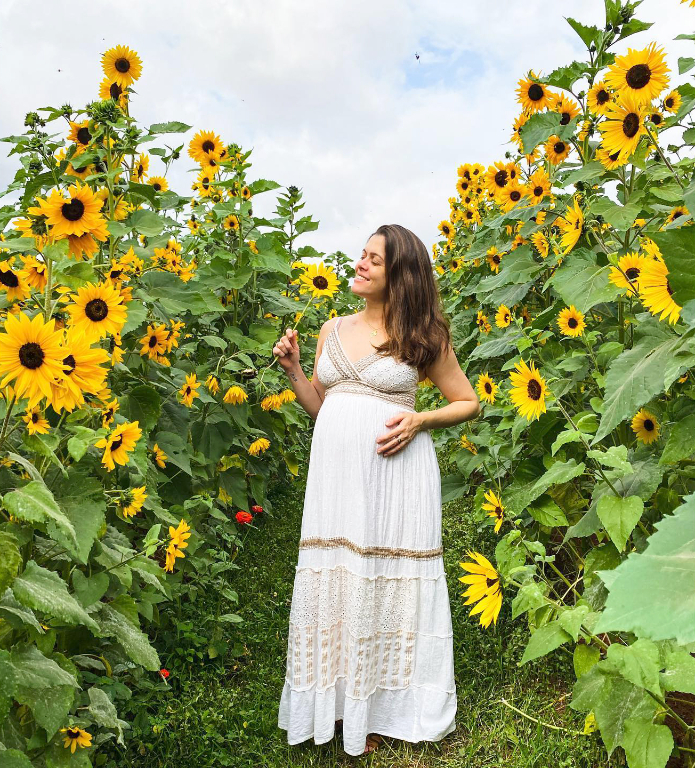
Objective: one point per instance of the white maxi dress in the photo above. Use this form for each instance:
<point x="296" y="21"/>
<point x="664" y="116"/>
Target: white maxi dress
<point x="370" y="633"/>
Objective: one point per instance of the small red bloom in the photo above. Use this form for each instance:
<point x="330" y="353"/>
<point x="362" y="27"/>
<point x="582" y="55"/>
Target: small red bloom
<point x="164" y="673"/>
<point x="243" y="517"/>
<point x="256" y="509"/>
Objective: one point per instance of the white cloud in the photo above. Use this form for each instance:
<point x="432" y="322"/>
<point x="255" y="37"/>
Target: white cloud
<point x="330" y="95"/>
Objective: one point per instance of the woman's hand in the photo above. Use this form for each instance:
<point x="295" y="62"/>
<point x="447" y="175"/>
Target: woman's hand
<point x="287" y="350"/>
<point x="405" y="426"/>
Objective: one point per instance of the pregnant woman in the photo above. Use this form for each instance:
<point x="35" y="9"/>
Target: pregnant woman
<point x="370" y="644"/>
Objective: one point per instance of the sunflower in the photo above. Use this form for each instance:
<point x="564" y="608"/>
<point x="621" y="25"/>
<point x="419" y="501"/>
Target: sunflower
<point x="140" y="167"/>
<point x="645" y="426"/>
<point x="35" y="421"/>
<point x="484" y="588"/>
<point x="14" y="282"/>
<point x="97" y="310"/>
<point x="179" y="534"/>
<point x="108" y="413"/>
<point x="540" y="243"/>
<point x="172" y="553"/>
<point x="231" y="222"/>
<point x="528" y="390"/>
<point x="118" y="444"/>
<point x="568" y="108"/>
<point x="486" y="388"/>
<point x="470" y="216"/>
<point x="628" y="272"/>
<point x="494" y="508"/>
<point x="35" y="272"/>
<point x="519" y="123"/>
<point x="624" y="125"/>
<point x="494" y="258"/>
<point x="533" y="96"/>
<point x="463" y="186"/>
<point x="83" y="371"/>
<point x="154" y="342"/>
<point x="446" y="229"/>
<point x="159" y="456"/>
<point x="598" y="98"/>
<point x="76" y="737"/>
<point x="571" y="225"/>
<point x="511" y="195"/>
<point x="159" y="183"/>
<point x="496" y="177"/>
<point x="34" y="226"/>
<point x="482" y="322"/>
<point x="655" y="291"/>
<point x="235" y="395"/>
<point x="641" y="74"/>
<point x="31" y="354"/>
<point x="655" y="117"/>
<point x="110" y="89"/>
<point x="78" y="214"/>
<point x="676" y="213"/>
<point x="213" y="384"/>
<point x="613" y="160"/>
<point x="538" y="186"/>
<point x="205" y="144"/>
<point x="189" y="389"/>
<point x="556" y="149"/>
<point x="672" y="102"/>
<point x="571" y="321"/>
<point x="259" y="446"/>
<point x="503" y="317"/>
<point x="319" y="279"/>
<point x="468" y="445"/>
<point x="80" y="134"/>
<point x="136" y="498"/>
<point x="121" y="65"/>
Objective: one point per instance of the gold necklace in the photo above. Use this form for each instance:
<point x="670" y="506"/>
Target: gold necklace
<point x="373" y="333"/>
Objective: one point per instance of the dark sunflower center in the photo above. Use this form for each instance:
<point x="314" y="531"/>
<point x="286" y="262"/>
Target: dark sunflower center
<point x="69" y="361"/>
<point x="498" y="511"/>
<point x="632" y="273"/>
<point x="656" y="118"/>
<point x="572" y="322"/>
<point x="677" y="215"/>
<point x="122" y="65"/>
<point x="602" y="97"/>
<point x="565" y="118"/>
<point x="188" y="391"/>
<point x="614" y="157"/>
<point x="669" y="289"/>
<point x="467" y="175"/>
<point x="35" y="418"/>
<point x="515" y="196"/>
<point x="534" y="390"/>
<point x="115" y="274"/>
<point x="638" y="76"/>
<point x="208" y="146"/>
<point x="83" y="135"/>
<point x="73" y="733"/>
<point x="469" y="214"/>
<point x="496" y="258"/>
<point x="538" y="191"/>
<point x="141" y="169"/>
<point x="152" y="342"/>
<point x="559" y="147"/>
<point x="649" y="425"/>
<point x="157" y="186"/>
<point x="488" y="387"/>
<point x="535" y="92"/>
<point x="115" y="91"/>
<point x="320" y="282"/>
<point x="631" y="124"/>
<point x="501" y="178"/>
<point x="74" y="210"/>
<point x="9" y="279"/>
<point x="669" y="102"/>
<point x="96" y="310"/>
<point x="31" y="355"/>
<point x="116" y="444"/>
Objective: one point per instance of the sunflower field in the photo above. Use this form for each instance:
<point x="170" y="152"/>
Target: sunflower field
<point x="141" y="416"/>
<point x="568" y="270"/>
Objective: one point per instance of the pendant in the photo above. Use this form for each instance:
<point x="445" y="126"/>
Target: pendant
<point x="374" y="333"/>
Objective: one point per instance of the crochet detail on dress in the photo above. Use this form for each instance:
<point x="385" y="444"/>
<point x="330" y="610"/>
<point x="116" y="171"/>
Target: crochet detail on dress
<point x="370" y="551"/>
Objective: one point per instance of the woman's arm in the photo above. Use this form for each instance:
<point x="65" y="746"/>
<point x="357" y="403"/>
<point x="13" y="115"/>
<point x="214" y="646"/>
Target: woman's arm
<point x="452" y="382"/>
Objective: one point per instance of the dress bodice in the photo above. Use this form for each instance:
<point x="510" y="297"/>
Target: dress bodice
<point x="373" y="374"/>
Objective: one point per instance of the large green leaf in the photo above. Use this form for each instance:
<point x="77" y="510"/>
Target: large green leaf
<point x="677" y="246"/>
<point x="132" y="640"/>
<point x="652" y="593"/>
<point x="45" y="591"/>
<point x="13" y="758"/>
<point x="646" y="745"/>
<point x="620" y="216"/>
<point x="681" y="441"/>
<point x="544" y="640"/>
<point x="50" y="706"/>
<point x="522" y="493"/>
<point x="16" y="614"/>
<point x="582" y="282"/>
<point x="142" y="404"/>
<point x="638" y="663"/>
<point x="619" y="516"/>
<point x="658" y="358"/>
<point x="34" y="503"/>
<point x="32" y="669"/>
<point x="103" y="712"/>
<point x="82" y="499"/>
<point x="542" y="126"/>
<point x="10" y="559"/>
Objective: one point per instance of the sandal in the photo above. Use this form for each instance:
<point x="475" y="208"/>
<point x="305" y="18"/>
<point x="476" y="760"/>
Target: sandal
<point x="373" y="742"/>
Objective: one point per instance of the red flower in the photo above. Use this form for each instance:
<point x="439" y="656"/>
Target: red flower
<point x="243" y="517"/>
<point x="256" y="509"/>
<point x="164" y="673"/>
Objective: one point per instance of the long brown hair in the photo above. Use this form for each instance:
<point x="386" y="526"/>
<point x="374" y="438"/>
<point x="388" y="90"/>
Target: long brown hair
<point x="413" y="318"/>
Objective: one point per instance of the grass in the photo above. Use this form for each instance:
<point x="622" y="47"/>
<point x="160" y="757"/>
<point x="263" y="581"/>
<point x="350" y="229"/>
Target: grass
<point x="224" y="712"/>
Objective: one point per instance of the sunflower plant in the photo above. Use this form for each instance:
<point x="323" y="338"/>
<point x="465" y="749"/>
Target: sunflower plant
<point x="579" y="243"/>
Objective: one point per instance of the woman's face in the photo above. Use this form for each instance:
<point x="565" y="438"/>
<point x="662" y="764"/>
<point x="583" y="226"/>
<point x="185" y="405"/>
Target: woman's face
<point x="370" y="277"/>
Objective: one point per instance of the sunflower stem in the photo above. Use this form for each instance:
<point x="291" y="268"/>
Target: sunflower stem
<point x="6" y="420"/>
<point x="656" y="146"/>
<point x="47" y="309"/>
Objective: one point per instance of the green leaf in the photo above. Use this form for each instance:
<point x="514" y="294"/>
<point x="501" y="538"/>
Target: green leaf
<point x="547" y="512"/>
<point x="34" y="670"/>
<point x="45" y="591"/>
<point x="582" y="282"/>
<point x="89" y="589"/>
<point x="592" y="170"/>
<point x="678" y="672"/>
<point x="542" y="126"/>
<point x="13" y="758"/>
<point x="651" y="592"/>
<point x="522" y="493"/>
<point x="619" y="216"/>
<point x="638" y="663"/>
<point x="10" y="559"/>
<point x="16" y="614"/>
<point x="677" y="247"/>
<point x="530" y="596"/>
<point x="685" y="64"/>
<point x="544" y="640"/>
<point x="615" y="456"/>
<point x="176" y="450"/>
<point x="82" y="499"/>
<point x="50" y="706"/>
<point x="146" y="222"/>
<point x="173" y="126"/>
<point x="584" y="658"/>
<point x="34" y="503"/>
<point x="681" y="441"/>
<point x="103" y="712"/>
<point x="132" y="640"/>
<point x="589" y="35"/>
<point x="619" y="516"/>
<point x="646" y="745"/>
<point x="142" y="404"/>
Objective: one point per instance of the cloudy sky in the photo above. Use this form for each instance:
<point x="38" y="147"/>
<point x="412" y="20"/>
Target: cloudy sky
<point x="330" y="95"/>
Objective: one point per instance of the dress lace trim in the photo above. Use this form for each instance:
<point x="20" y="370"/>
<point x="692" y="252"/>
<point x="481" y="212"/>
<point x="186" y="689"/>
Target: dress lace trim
<point x="372" y="551"/>
<point x="358" y="388"/>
